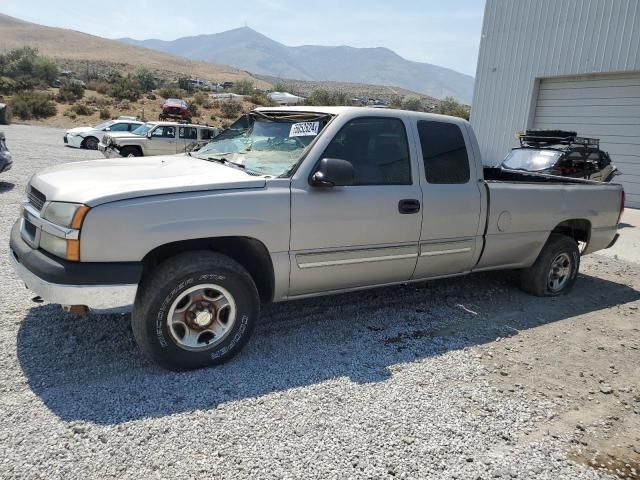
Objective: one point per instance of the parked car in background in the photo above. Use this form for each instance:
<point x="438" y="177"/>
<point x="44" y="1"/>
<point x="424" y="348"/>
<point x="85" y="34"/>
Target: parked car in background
<point x="89" y="137"/>
<point x="6" y="161"/>
<point x="156" y="138"/>
<point x="176" y="109"/>
<point x="308" y="201"/>
<point x="563" y="153"/>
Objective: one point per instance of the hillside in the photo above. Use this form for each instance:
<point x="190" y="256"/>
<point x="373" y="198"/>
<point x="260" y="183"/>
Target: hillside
<point x="362" y="90"/>
<point x="74" y="47"/>
<point x="249" y="50"/>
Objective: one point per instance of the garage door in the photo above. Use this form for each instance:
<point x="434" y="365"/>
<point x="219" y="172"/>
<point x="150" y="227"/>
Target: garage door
<point x="601" y="106"/>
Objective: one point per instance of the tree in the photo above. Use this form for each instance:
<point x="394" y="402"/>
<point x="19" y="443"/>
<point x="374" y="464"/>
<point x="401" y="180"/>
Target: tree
<point x="145" y="78"/>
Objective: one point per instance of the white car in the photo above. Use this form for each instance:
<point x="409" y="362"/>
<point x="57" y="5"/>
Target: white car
<point x="89" y="137"/>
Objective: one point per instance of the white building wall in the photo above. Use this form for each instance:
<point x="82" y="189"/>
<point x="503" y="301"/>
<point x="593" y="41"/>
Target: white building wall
<point x="525" y="40"/>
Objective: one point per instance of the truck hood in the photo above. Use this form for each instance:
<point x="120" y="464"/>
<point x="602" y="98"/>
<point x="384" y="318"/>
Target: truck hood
<point x="99" y="181"/>
<point x="118" y="135"/>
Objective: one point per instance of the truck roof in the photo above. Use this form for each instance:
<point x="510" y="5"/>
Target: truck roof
<point x="361" y="111"/>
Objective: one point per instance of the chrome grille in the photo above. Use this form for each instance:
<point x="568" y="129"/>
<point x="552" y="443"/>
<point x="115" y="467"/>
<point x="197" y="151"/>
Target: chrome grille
<point x="36" y="198"/>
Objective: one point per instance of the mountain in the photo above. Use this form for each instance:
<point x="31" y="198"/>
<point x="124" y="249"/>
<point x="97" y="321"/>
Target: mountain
<point x="249" y="50"/>
<point x="63" y="44"/>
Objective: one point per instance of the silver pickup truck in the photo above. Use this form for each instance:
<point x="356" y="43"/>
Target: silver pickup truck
<point x="306" y="201"/>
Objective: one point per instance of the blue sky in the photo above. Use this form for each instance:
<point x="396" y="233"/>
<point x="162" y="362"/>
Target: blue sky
<point x="445" y="33"/>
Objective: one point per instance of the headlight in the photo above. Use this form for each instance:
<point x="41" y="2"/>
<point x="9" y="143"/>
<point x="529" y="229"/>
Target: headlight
<point x="68" y="215"/>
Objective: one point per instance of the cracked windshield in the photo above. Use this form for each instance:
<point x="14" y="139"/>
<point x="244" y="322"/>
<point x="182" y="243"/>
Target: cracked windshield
<point x="270" y="147"/>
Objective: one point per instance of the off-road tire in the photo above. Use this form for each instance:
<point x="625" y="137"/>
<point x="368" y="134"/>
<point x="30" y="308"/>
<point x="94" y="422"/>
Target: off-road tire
<point x="90" y="143"/>
<point x="535" y="279"/>
<point x="130" y="152"/>
<point x="165" y="283"/>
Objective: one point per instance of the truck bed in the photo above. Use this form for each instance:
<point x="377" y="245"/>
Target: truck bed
<point x="524" y="208"/>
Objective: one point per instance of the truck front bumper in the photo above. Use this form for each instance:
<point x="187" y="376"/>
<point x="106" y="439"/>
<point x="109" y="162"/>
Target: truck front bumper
<point x="108" y="152"/>
<point x="102" y="287"/>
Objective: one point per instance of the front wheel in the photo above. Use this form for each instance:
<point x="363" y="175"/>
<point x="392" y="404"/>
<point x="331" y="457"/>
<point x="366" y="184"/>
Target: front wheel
<point x="90" y="143"/>
<point x="130" y="152"/>
<point x="195" y="310"/>
<point x="555" y="270"/>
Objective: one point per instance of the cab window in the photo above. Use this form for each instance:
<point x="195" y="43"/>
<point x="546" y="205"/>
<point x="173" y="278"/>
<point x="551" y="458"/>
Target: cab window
<point x="443" y="152"/>
<point x="164" y="131"/>
<point x="378" y="149"/>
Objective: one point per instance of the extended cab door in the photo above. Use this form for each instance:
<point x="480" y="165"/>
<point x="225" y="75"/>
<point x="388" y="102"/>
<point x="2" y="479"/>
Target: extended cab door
<point x="451" y="233"/>
<point x="364" y="234"/>
<point x="162" y="140"/>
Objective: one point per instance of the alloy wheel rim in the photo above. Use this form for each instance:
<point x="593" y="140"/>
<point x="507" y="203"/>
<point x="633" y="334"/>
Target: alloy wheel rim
<point x="201" y="317"/>
<point x="560" y="272"/>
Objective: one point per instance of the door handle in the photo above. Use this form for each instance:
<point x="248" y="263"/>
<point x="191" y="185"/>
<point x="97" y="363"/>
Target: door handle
<point x="409" y="205"/>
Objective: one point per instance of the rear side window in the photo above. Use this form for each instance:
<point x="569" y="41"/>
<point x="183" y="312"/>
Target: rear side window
<point x="443" y="152"/>
<point x="190" y="133"/>
<point x="377" y="148"/>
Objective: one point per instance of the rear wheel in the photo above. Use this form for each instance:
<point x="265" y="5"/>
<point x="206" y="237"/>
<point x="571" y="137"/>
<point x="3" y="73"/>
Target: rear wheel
<point x="90" y="143"/>
<point x="555" y="270"/>
<point x="130" y="152"/>
<point x="195" y="310"/>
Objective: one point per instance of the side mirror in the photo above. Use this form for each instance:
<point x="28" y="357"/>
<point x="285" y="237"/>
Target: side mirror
<point x="333" y="172"/>
<point x="108" y="129"/>
<point x="149" y="134"/>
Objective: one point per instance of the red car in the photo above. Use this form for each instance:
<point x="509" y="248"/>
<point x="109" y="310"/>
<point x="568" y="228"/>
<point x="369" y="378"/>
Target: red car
<point x="176" y="109"/>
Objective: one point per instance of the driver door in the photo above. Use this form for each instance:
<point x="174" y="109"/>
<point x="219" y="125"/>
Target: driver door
<point x="162" y="140"/>
<point x="362" y="234"/>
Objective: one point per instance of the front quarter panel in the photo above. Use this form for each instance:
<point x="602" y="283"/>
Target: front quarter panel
<point x="129" y="229"/>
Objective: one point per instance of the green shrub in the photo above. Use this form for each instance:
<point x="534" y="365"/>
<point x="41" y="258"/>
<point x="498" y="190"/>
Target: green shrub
<point x="27" y="67"/>
<point x="193" y="108"/>
<point x="105" y="114"/>
<point x="145" y="78"/>
<point x="261" y="99"/>
<point x="7" y="85"/>
<point x="70" y="92"/>
<point x="27" y="105"/>
<point x="125" y="89"/>
<point x="327" y="98"/>
<point x="412" y="103"/>
<point x="98" y="86"/>
<point x="151" y="96"/>
<point x="244" y="87"/>
<point x="81" y="109"/>
<point x="70" y="114"/>
<point x="450" y="106"/>
<point x="171" y="92"/>
<point x="199" y="98"/>
<point x="230" y="108"/>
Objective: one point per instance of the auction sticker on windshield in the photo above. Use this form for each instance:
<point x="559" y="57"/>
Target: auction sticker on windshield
<point x="304" y="129"/>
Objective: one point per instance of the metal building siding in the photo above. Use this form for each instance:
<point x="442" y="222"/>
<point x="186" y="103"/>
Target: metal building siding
<point x="604" y="106"/>
<point x="525" y="40"/>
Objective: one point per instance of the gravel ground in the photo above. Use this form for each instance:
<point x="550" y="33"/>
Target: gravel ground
<point x="466" y="378"/>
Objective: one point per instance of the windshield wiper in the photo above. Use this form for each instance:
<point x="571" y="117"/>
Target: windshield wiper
<point x="227" y="162"/>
